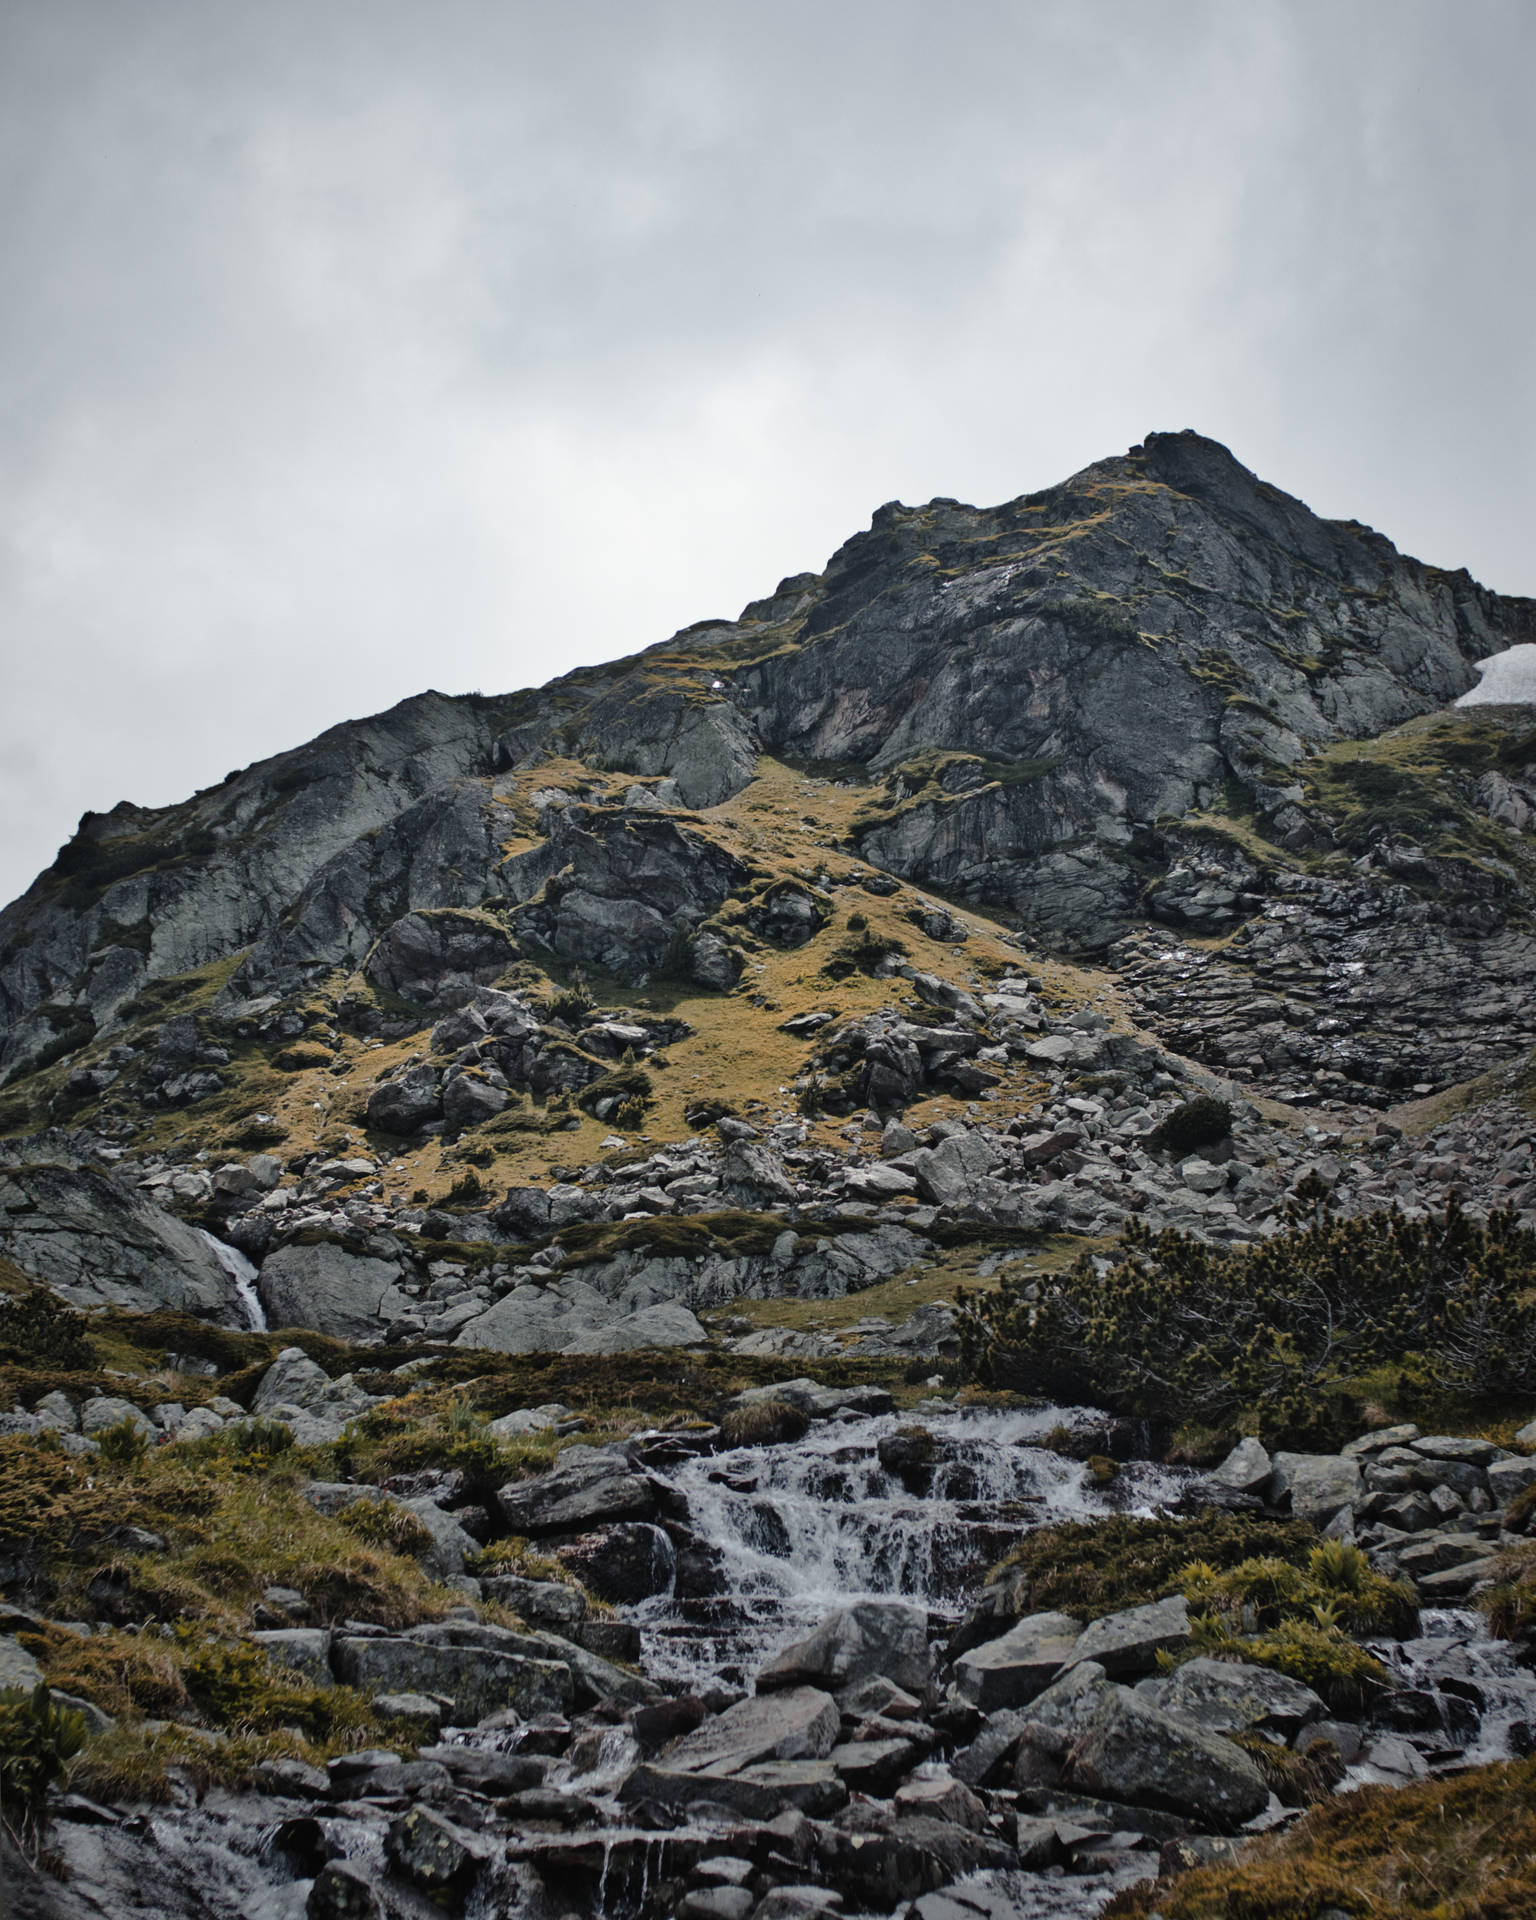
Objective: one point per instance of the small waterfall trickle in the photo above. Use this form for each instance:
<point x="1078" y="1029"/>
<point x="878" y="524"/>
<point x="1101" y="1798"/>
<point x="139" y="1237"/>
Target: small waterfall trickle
<point x="243" y="1274"/>
<point x="1478" y="1696"/>
<point x="803" y="1528"/>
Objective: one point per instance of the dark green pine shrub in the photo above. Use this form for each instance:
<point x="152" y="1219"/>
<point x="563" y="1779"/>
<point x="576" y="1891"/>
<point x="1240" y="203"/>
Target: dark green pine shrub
<point x="1180" y="1331"/>
<point x="1200" y="1122"/>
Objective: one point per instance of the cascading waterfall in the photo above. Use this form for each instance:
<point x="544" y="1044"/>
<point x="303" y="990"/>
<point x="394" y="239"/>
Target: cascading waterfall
<point x="243" y="1274"/>
<point x="805" y="1527"/>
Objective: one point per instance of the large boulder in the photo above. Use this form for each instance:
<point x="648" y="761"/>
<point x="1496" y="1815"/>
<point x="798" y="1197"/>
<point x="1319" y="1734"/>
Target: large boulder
<point x="352" y="1296"/>
<point x="479" y="1674"/>
<point x="99" y="1244"/>
<point x="1315" y="1485"/>
<point x="1246" y="1469"/>
<point x="801" y="1723"/>
<point x="763" y="1792"/>
<point x="631" y="1561"/>
<point x="1130" y="1641"/>
<point x="873" y="1637"/>
<point x="407" y="1103"/>
<point x="591" y="1487"/>
<point x="1135" y="1751"/>
<point x="1012" y="1670"/>
<point x="294" y="1380"/>
<point x="437" y="958"/>
<point x="1229" y="1696"/>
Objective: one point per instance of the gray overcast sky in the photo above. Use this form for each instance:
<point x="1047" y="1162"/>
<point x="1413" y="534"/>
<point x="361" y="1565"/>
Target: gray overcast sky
<point x="352" y="348"/>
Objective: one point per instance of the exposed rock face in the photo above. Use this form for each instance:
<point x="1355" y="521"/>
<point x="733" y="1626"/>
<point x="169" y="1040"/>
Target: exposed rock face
<point x="438" y="958"/>
<point x="1038" y="685"/>
<point x="628" y="887"/>
<point x="100" y="1245"/>
<point x="350" y="1295"/>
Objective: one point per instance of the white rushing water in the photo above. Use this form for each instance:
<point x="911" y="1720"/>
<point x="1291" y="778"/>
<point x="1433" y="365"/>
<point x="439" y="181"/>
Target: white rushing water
<point x="243" y="1274"/>
<point x="808" y="1526"/>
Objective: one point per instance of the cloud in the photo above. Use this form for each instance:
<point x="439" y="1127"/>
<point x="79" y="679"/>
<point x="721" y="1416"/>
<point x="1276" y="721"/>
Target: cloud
<point x="347" y="349"/>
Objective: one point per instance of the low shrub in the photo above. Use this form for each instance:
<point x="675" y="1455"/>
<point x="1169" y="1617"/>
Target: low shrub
<point x="40" y="1328"/>
<point x="37" y="1741"/>
<point x="1272" y="1334"/>
<point x="301" y="1056"/>
<point x="1457" y="1847"/>
<point x="386" y="1524"/>
<point x="1200" y="1122"/>
<point x="1337" y="1586"/>
<point x="234" y="1685"/>
<point x="123" y="1445"/>
<point x="1090" y="1568"/>
<point x="1296" y="1779"/>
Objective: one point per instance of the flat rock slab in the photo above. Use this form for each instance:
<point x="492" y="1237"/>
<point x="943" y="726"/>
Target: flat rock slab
<point x="762" y="1792"/>
<point x="588" y="1489"/>
<point x="1012" y="1670"/>
<point x="478" y="1680"/>
<point x="801" y="1723"/>
<point x="1226" y="1696"/>
<point x="884" y="1639"/>
<point x="1129" y="1642"/>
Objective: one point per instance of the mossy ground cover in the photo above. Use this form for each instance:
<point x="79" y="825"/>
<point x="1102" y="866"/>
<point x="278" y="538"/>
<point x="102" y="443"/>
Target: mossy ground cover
<point x="1462" y="1848"/>
<point x="1088" y="1569"/>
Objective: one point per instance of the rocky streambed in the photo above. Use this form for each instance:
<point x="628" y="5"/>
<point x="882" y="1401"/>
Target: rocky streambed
<point x="803" y="1700"/>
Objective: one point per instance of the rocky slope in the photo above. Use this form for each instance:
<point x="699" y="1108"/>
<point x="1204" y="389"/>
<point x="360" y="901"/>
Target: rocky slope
<point x="668" y="1044"/>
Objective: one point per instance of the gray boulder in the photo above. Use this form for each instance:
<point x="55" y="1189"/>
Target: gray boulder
<point x="469" y="1098"/>
<point x="801" y="1723"/>
<point x="589" y="1488"/>
<point x="451" y="1549"/>
<point x="1315" y="1485"/>
<point x="1133" y="1750"/>
<point x="631" y="1561"/>
<point x="884" y="1638"/>
<point x="1225" y="1696"/>
<point x="293" y="1379"/>
<point x="1506" y="1478"/>
<point x="107" y="1411"/>
<point x="99" y="1244"/>
<point x="407" y="1103"/>
<point x="352" y="1296"/>
<point x="763" y="1792"/>
<point x="1246" y="1469"/>
<point x="478" y="1679"/>
<point x="542" y="1603"/>
<point x="1013" y="1670"/>
<point x="1130" y="1641"/>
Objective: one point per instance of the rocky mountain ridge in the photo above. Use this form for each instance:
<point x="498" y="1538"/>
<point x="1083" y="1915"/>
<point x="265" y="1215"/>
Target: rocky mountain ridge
<point x="1030" y="691"/>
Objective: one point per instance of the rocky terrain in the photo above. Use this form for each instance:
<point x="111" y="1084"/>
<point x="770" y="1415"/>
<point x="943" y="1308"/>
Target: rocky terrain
<point x="485" y="1200"/>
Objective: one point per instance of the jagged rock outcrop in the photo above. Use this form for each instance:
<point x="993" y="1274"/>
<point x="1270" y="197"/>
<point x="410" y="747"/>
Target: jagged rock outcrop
<point x="1036" y="686"/>
<point x="99" y="1244"/>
